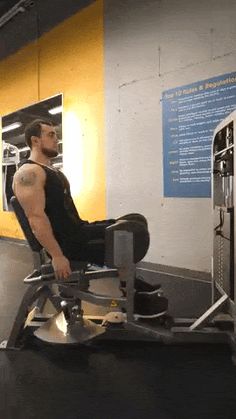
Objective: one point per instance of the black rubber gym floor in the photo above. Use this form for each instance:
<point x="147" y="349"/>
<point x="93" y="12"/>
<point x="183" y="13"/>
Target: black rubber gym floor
<point x="110" y="380"/>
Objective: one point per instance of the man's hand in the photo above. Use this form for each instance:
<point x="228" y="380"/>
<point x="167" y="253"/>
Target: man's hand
<point x="61" y="266"/>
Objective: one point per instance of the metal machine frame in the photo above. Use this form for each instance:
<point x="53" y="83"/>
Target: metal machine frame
<point x="216" y="325"/>
<point x="10" y="157"/>
<point x="31" y="315"/>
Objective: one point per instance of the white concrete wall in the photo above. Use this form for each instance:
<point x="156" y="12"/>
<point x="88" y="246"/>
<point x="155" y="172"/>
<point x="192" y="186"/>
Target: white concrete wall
<point x="151" y="46"/>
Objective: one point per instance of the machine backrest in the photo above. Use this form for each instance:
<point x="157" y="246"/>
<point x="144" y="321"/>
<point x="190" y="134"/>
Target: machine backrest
<point x="24" y="223"/>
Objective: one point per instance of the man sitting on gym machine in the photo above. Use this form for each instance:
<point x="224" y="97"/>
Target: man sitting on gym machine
<point x="44" y="194"/>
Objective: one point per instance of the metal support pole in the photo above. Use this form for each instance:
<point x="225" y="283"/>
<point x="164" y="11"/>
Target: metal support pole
<point x="124" y="260"/>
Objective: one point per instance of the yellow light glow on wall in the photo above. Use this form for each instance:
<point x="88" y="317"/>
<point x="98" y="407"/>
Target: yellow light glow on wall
<point x="1" y="177"/>
<point x="93" y="150"/>
<point x="73" y="155"/>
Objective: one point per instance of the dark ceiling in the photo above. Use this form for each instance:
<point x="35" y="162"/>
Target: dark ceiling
<point x="5" y="5"/>
<point x="39" y="16"/>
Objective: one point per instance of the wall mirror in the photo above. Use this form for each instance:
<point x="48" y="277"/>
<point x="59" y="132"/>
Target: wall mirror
<point x="14" y="149"/>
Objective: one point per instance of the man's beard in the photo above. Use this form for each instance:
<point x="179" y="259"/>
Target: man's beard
<point x="49" y="152"/>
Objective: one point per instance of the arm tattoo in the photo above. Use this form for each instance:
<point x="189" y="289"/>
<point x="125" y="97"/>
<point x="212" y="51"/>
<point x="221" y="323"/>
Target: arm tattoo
<point x="27" y="179"/>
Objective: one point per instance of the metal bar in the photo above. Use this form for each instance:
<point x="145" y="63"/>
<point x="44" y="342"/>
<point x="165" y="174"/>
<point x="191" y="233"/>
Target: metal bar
<point x="234" y="221"/>
<point x="17" y="8"/>
<point x="124" y="260"/>
<point x="40" y="303"/>
<point x="74" y="277"/>
<point x="97" y="299"/>
<point x="210" y="313"/>
<point x="231" y="306"/>
<point x="209" y="335"/>
<point x="105" y="273"/>
<point x="219" y="289"/>
<point x="224" y="150"/>
<point x="213" y="281"/>
<point x="183" y="320"/>
<point x="130" y="292"/>
<point x="30" y="296"/>
<point x="159" y="333"/>
<point x="39" y="279"/>
<point x="56" y="301"/>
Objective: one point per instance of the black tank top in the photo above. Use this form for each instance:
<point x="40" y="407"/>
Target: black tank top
<point x="60" y="208"/>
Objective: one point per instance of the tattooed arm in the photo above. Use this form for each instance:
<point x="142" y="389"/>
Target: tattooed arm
<point x="28" y="187"/>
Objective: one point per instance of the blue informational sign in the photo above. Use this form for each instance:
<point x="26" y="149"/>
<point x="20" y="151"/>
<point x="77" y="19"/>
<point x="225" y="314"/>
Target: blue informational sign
<point x="190" y="115"/>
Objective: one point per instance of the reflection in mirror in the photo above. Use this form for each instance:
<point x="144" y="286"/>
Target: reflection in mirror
<point x="14" y="149"/>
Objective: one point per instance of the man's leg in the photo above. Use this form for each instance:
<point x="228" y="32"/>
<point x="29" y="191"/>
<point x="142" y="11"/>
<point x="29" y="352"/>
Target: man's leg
<point x="93" y="250"/>
<point x="147" y="301"/>
<point x="96" y="229"/>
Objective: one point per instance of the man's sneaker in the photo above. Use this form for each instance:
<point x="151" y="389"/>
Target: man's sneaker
<point x="149" y="302"/>
<point x="149" y="305"/>
<point x="140" y="285"/>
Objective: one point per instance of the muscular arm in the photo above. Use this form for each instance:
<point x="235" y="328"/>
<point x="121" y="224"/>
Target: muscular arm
<point x="28" y="186"/>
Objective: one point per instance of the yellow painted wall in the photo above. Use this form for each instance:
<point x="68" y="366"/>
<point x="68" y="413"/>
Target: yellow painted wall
<point x="68" y="60"/>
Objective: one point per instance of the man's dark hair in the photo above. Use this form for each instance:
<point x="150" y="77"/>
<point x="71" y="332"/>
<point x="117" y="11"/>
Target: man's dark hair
<point x="34" y="128"/>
